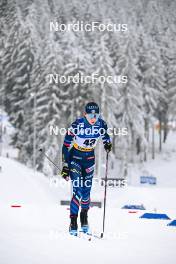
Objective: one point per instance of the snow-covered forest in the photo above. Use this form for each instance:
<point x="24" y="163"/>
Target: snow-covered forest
<point x="145" y="53"/>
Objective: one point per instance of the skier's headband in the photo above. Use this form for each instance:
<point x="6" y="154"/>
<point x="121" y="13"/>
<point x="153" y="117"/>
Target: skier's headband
<point x="92" y="109"/>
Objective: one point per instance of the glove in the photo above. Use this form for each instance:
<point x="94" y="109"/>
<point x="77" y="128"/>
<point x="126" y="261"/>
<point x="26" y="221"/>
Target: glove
<point x="108" y="147"/>
<point x="65" y="173"/>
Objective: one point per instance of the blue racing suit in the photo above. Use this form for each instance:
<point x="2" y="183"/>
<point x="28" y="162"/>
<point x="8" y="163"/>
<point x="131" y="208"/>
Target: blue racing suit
<point x="78" y="154"/>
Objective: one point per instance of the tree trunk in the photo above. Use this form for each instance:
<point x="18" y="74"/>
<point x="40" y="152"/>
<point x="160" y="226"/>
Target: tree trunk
<point x="153" y="141"/>
<point x="160" y="134"/>
<point x="147" y="137"/>
<point x="138" y="146"/>
<point x="165" y="131"/>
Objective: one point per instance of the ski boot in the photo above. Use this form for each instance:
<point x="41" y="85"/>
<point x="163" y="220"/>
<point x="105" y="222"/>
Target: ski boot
<point x="84" y="221"/>
<point x="73" y="229"/>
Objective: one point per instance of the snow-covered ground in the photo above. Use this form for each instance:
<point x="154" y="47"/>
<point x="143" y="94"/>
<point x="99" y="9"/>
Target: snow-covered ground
<point x="38" y="231"/>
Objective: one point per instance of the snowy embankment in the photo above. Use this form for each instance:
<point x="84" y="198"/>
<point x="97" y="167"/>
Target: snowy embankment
<point x="37" y="232"/>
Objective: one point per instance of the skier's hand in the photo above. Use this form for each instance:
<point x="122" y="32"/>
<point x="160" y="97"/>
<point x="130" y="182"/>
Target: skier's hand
<point x="108" y="147"/>
<point x="65" y="173"/>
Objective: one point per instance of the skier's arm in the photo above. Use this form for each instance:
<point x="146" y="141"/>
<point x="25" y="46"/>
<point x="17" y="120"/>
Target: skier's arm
<point x="106" y="138"/>
<point x="67" y="143"/>
<point x="65" y="151"/>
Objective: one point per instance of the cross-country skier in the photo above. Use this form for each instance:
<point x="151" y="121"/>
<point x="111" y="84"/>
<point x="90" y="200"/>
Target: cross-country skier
<point x="79" y="160"/>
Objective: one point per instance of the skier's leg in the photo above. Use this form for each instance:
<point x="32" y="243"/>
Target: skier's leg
<point x="85" y="201"/>
<point x="75" y="175"/>
<point x="88" y="172"/>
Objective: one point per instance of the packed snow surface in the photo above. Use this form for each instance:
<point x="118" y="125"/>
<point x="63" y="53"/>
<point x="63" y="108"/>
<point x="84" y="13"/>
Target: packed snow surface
<point x="37" y="232"/>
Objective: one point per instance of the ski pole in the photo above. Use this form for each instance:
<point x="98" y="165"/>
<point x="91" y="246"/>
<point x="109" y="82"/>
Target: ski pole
<point x="41" y="150"/>
<point x="106" y="177"/>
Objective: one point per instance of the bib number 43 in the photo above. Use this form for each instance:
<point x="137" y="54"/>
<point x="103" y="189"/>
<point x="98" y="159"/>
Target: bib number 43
<point x="89" y="142"/>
